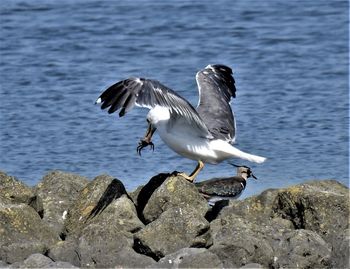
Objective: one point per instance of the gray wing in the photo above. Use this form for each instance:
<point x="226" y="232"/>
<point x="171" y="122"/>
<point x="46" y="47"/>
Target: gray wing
<point x="125" y="94"/>
<point x="216" y="87"/>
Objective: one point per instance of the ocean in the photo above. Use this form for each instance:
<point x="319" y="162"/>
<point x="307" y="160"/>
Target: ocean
<point x="290" y="61"/>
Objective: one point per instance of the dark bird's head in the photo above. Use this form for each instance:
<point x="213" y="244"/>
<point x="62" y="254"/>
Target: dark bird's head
<point x="244" y="171"/>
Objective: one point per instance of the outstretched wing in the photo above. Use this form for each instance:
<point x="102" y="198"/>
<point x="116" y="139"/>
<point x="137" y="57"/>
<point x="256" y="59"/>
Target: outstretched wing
<point x="216" y="87"/>
<point x="125" y="94"/>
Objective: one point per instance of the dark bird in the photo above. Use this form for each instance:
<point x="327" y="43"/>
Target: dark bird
<point x="223" y="188"/>
<point x="203" y="134"/>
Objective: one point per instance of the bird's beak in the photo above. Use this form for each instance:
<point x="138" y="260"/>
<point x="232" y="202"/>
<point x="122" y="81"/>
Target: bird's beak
<point x="254" y="176"/>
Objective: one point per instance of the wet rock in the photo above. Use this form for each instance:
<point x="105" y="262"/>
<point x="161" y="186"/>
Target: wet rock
<point x="91" y="201"/>
<point x="176" y="228"/>
<point x="40" y="261"/>
<point x="22" y="232"/>
<point x="58" y="190"/>
<point x="190" y="258"/>
<point x="17" y="192"/>
<point x="175" y="191"/>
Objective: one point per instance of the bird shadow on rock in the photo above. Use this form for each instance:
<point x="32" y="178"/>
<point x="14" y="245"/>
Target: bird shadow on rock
<point x="114" y="190"/>
<point x="147" y="191"/>
<point x="214" y="211"/>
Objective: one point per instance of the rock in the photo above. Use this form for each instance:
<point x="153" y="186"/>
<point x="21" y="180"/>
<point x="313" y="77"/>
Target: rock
<point x="272" y="217"/>
<point x="135" y="194"/>
<point x="108" y="248"/>
<point x="40" y="261"/>
<point x="4" y="264"/>
<point x="190" y="258"/>
<point x="91" y="201"/>
<point x="176" y="228"/>
<point x="128" y="258"/>
<point x="175" y="191"/>
<point x="65" y="251"/>
<point x="251" y="266"/>
<point x="22" y="233"/>
<point x="120" y="214"/>
<point x="98" y="246"/>
<point x="58" y="190"/>
<point x="17" y="192"/>
<point x="100" y="227"/>
<point x="340" y="252"/>
<point x="142" y="194"/>
<point x="313" y="205"/>
<point x="238" y="241"/>
<point x="302" y="249"/>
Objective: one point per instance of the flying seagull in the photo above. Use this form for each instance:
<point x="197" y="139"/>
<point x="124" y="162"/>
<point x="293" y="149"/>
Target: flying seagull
<point x="223" y="188"/>
<point x="203" y="134"/>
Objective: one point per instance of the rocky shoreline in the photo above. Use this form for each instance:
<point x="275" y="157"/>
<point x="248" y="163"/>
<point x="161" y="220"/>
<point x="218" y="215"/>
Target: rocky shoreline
<point x="67" y="221"/>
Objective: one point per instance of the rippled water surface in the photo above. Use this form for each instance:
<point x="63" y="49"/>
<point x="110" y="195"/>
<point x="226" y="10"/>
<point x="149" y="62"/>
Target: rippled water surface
<point x="290" y="62"/>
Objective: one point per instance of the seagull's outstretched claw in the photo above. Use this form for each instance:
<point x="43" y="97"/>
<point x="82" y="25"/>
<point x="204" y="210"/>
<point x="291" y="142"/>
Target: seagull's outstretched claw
<point x="142" y="144"/>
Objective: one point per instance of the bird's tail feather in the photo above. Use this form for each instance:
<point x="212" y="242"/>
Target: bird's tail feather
<point x="235" y="152"/>
<point x="246" y="156"/>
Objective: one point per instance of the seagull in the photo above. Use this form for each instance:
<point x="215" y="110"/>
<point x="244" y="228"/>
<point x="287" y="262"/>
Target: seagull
<point x="225" y="188"/>
<point x="204" y="134"/>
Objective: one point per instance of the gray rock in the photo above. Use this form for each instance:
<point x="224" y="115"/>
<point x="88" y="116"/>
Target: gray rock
<point x="108" y="248"/>
<point x="176" y="191"/>
<point x="65" y="251"/>
<point x="4" y="264"/>
<point x="98" y="246"/>
<point x="190" y="258"/>
<point x="340" y="253"/>
<point x="271" y="218"/>
<point x="100" y="226"/>
<point x="120" y="214"/>
<point x="176" y="228"/>
<point x="252" y="266"/>
<point x="40" y="261"/>
<point x="91" y="201"/>
<point x="302" y="249"/>
<point x="22" y="232"/>
<point x="135" y="194"/>
<point x="128" y="258"/>
<point x="17" y="192"/>
<point x="238" y="242"/>
<point x="58" y="190"/>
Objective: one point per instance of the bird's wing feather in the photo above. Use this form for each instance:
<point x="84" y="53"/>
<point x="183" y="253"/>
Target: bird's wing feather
<point x="226" y="187"/>
<point x="125" y="94"/>
<point x="216" y="87"/>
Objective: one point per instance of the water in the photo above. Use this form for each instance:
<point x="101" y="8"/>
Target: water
<point x="290" y="62"/>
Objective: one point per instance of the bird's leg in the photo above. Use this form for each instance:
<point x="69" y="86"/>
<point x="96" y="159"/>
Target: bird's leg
<point x="195" y="172"/>
<point x="146" y="141"/>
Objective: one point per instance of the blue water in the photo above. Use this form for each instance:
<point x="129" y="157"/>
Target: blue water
<point x="290" y="62"/>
